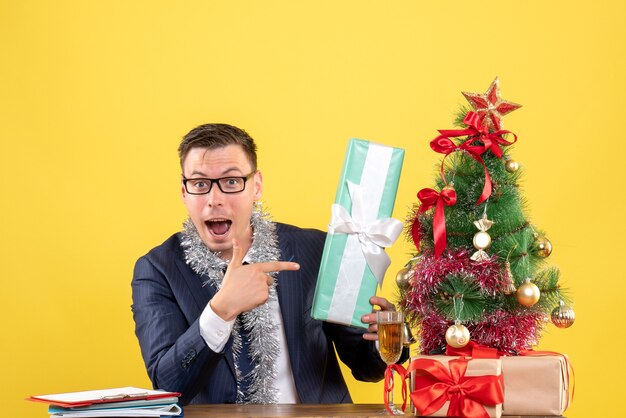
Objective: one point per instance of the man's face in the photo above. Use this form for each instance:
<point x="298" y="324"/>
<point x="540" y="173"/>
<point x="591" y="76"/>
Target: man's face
<point x="219" y="217"/>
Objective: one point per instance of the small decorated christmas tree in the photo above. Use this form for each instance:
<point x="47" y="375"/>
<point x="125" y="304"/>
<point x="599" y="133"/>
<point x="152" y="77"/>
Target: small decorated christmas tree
<point x="480" y="269"/>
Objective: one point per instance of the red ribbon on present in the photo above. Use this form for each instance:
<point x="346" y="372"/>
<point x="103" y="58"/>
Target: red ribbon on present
<point x="434" y="384"/>
<point x="430" y="198"/>
<point x="389" y="384"/>
<point x="474" y="350"/>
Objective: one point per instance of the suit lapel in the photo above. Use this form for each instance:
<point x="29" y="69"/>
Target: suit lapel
<point x="200" y="293"/>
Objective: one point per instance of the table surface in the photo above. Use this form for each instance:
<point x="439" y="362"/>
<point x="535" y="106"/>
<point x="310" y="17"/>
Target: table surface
<point x="288" y="410"/>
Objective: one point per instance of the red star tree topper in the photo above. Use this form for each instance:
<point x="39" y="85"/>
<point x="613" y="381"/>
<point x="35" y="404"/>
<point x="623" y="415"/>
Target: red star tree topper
<point x="490" y="106"/>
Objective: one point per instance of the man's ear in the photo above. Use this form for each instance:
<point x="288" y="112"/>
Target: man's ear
<point x="183" y="192"/>
<point x="258" y="185"/>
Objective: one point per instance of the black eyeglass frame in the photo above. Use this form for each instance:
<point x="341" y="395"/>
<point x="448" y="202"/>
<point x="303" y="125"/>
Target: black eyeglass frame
<point x="217" y="181"/>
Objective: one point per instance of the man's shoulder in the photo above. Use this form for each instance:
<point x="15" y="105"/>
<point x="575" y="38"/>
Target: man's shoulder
<point x="168" y="259"/>
<point x="295" y="232"/>
<point x="169" y="248"/>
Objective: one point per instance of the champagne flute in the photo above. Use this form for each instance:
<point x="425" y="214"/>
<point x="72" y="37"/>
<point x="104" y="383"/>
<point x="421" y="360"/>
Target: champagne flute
<point x="390" y="335"/>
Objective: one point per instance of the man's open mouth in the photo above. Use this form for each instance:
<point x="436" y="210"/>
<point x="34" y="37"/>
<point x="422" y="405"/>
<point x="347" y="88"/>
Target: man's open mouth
<point x="218" y="226"/>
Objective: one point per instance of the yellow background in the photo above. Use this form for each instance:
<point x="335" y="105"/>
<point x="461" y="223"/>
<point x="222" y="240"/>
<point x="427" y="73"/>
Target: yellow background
<point x="94" y="97"/>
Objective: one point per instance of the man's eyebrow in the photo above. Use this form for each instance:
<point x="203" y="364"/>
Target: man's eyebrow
<point x="224" y="173"/>
<point x="230" y="170"/>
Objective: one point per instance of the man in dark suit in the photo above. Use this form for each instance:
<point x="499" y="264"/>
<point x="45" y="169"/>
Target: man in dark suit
<point x="218" y="316"/>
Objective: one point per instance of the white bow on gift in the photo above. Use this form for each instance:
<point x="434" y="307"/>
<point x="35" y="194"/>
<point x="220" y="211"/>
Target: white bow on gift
<point x="373" y="234"/>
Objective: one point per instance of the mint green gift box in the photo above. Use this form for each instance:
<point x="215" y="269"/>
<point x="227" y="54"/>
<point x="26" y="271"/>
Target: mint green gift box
<point x="365" y="198"/>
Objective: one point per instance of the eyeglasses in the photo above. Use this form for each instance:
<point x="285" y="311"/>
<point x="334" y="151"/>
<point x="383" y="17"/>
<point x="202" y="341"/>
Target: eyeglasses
<point x="225" y="184"/>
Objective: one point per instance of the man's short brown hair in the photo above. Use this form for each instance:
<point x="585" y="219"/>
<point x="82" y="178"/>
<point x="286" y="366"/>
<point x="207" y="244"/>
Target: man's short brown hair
<point x="216" y="135"/>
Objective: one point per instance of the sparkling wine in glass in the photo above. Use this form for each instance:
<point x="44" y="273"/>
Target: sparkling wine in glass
<point x="390" y="337"/>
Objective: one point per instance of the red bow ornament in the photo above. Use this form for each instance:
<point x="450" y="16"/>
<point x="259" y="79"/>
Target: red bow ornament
<point x="431" y="198"/>
<point x="434" y="384"/>
<point x="491" y="141"/>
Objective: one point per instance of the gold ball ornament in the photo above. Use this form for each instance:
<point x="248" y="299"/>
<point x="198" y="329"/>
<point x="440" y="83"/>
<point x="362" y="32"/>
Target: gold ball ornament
<point x="511" y="166"/>
<point x="563" y="316"/>
<point x="402" y="278"/>
<point x="481" y="240"/>
<point x="449" y="186"/>
<point x="528" y="293"/>
<point x="457" y="336"/>
<point x="542" y="246"/>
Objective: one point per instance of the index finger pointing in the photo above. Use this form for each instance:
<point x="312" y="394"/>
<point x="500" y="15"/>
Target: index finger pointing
<point x="237" y="257"/>
<point x="274" y="266"/>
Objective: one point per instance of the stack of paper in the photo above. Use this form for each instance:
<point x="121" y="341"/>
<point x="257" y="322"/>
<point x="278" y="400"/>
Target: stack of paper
<point x="118" y="402"/>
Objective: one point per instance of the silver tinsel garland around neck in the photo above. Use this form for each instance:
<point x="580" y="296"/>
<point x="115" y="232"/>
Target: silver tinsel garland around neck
<point x="259" y="323"/>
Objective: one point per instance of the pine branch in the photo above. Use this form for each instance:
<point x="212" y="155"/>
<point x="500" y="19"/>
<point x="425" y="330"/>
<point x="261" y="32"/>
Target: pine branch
<point x="547" y="281"/>
<point x="471" y="303"/>
<point x="460" y="115"/>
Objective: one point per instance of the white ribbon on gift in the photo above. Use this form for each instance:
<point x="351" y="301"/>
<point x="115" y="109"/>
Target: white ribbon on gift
<point x="373" y="235"/>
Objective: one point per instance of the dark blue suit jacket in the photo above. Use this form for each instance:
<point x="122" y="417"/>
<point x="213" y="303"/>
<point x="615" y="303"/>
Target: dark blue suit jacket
<point x="168" y="298"/>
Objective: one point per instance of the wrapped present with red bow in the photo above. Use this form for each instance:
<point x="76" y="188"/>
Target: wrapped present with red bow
<point x="456" y="386"/>
<point x="535" y="382"/>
